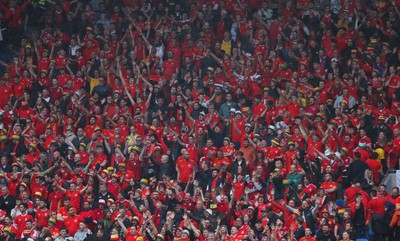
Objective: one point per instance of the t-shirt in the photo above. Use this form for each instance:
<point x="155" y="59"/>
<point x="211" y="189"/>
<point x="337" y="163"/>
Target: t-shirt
<point x="185" y="169"/>
<point x="75" y="198"/>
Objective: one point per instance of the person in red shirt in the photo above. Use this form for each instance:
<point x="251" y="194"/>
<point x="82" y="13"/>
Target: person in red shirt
<point x="72" y="221"/>
<point x="329" y="186"/>
<point x="239" y="187"/>
<point x="21" y="219"/>
<point x="209" y="147"/>
<point x="259" y="108"/>
<point x="40" y="186"/>
<point x="392" y="81"/>
<point x="313" y="142"/>
<point x="221" y="160"/>
<point x="187" y="202"/>
<point x="308" y="236"/>
<point x="376" y="166"/>
<point x="169" y="66"/>
<point x="362" y="149"/>
<point x="18" y="86"/>
<point x="42" y="214"/>
<point x="237" y="128"/>
<point x="185" y="167"/>
<point x="54" y="231"/>
<point x="55" y="197"/>
<point x="73" y="194"/>
<point x="7" y="92"/>
<point x="377" y="208"/>
<point x="290" y="154"/>
<point x="274" y="152"/>
<point x="55" y="90"/>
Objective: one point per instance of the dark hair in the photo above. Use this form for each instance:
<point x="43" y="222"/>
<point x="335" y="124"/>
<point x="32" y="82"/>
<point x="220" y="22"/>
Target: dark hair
<point x="374" y="155"/>
<point x="25" y="205"/>
<point x="64" y="228"/>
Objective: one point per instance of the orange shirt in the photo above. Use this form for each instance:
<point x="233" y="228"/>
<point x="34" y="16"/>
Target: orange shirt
<point x="249" y="154"/>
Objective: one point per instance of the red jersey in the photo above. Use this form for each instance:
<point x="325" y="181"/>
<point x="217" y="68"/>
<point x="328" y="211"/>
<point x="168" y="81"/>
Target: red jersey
<point x="75" y="198"/>
<point x="329" y="185"/>
<point x="185" y="168"/>
<point x="72" y="224"/>
<point x="20" y="221"/>
<point x="42" y="216"/>
<point x="55" y="200"/>
<point x="377" y="205"/>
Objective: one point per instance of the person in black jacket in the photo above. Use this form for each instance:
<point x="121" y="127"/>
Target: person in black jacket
<point x="325" y="234"/>
<point x="204" y="176"/>
<point x="7" y="236"/>
<point x="357" y="168"/>
<point x="4" y="164"/>
<point x="163" y="169"/>
<point x="174" y="146"/>
<point x="17" y="146"/>
<point x="7" y="202"/>
<point x="300" y="231"/>
<point x="381" y="127"/>
<point x="308" y="213"/>
<point x="239" y="161"/>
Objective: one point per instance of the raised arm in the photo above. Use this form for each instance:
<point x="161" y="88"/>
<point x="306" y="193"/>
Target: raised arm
<point x="121" y="224"/>
<point x="84" y="189"/>
<point x="61" y="188"/>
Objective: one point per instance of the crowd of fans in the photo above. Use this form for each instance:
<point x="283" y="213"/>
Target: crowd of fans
<point x="199" y="120"/>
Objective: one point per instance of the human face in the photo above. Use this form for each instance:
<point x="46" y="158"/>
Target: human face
<point x="82" y="226"/>
<point x="22" y="208"/>
<point x="71" y="212"/>
<point x="395" y="192"/>
<point x="63" y="233"/>
<point x="4" y="191"/>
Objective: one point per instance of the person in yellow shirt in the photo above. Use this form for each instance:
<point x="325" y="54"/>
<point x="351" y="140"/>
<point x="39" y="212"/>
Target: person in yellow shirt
<point x="226" y="44"/>
<point x="93" y="80"/>
<point x="381" y="155"/>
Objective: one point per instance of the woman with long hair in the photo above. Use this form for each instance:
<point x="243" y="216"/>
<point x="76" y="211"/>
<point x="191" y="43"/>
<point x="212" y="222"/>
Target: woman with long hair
<point x="382" y="140"/>
<point x="368" y="183"/>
